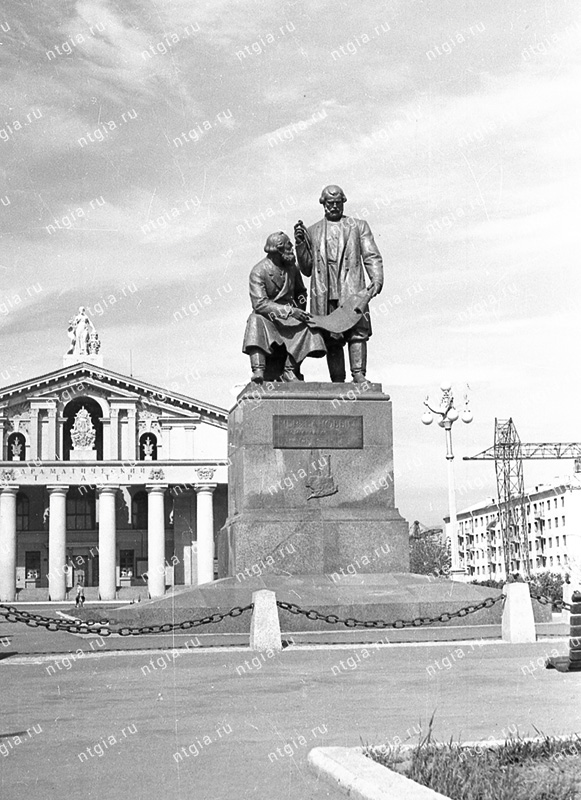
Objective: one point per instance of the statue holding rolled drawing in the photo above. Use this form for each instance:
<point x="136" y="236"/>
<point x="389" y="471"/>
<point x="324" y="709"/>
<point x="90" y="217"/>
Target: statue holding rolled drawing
<point x="336" y="253"/>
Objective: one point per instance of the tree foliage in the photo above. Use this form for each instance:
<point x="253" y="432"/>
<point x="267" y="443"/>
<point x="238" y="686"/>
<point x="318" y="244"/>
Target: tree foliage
<point x="429" y="555"/>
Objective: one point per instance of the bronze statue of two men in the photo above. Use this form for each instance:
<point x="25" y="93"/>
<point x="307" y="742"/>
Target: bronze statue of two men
<point x="336" y="253"/>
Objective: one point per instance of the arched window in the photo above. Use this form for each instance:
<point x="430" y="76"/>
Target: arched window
<point x="16" y="449"/>
<point x="22" y="512"/>
<point x="139" y="511"/>
<point x="148" y="447"/>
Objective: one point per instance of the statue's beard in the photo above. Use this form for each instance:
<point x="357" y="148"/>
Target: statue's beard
<point x="288" y="258"/>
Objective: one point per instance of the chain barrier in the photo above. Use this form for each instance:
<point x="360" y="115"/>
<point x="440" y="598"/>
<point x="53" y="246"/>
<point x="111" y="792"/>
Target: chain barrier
<point x="91" y="626"/>
<point x="351" y="622"/>
<point x="98" y="627"/>
<point x="545" y="601"/>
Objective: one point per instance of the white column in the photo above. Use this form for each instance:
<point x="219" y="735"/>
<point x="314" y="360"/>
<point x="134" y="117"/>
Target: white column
<point x="133" y="449"/>
<point x="205" y="532"/>
<point x="156" y="539"/>
<point x="34" y="449"/>
<point x="114" y="434"/>
<point x="52" y="435"/>
<point x="107" y="543"/>
<point x="60" y="435"/>
<point x="57" y="541"/>
<point x="3" y="436"/>
<point x="8" y="543"/>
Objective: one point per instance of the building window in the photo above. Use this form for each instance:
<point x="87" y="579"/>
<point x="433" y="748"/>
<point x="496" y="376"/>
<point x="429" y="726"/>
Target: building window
<point x="558" y="559"/>
<point x="22" y="512"/>
<point x="562" y="520"/>
<point x="555" y="503"/>
<point x="32" y="565"/>
<point x="550" y="561"/>
<point x="127" y="563"/>
<point x="81" y="508"/>
<point x="139" y="511"/>
<point x="549" y="521"/>
<point x="564" y="541"/>
<point x="562" y="501"/>
<point x="556" y="522"/>
<point x="556" y="541"/>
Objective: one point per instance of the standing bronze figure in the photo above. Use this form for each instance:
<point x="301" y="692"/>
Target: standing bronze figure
<point x="335" y="253"/>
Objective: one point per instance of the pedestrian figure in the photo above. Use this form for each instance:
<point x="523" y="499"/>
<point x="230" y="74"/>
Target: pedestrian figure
<point x="80" y="600"/>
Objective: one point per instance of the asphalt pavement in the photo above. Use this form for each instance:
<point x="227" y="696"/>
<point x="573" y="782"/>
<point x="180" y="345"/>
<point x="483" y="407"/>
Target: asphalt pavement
<point x="81" y="719"/>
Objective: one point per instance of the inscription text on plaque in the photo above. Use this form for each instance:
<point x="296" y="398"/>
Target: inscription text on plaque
<point x="302" y="431"/>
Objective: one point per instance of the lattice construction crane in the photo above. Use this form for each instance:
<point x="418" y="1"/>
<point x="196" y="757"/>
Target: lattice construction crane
<point x="508" y="454"/>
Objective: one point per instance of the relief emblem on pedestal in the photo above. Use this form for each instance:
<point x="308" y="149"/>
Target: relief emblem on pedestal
<point x="319" y="480"/>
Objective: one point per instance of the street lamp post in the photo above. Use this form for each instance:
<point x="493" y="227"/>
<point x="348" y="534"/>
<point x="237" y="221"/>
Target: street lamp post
<point x="449" y="414"/>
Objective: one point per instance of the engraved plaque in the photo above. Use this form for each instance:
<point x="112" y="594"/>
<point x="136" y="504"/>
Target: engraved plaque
<point x="302" y="431"/>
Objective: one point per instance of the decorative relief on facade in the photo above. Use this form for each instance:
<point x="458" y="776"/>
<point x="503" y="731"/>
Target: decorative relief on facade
<point x="19" y="410"/>
<point x="19" y="420"/>
<point x="205" y="473"/>
<point x="156" y="475"/>
<point x="83" y="431"/>
<point x="148" y="422"/>
<point x="7" y="475"/>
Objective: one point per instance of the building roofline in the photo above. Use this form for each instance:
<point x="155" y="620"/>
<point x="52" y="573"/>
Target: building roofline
<point x="544" y="490"/>
<point x="85" y="368"/>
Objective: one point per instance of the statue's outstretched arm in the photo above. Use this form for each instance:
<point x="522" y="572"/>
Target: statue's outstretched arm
<point x="304" y="249"/>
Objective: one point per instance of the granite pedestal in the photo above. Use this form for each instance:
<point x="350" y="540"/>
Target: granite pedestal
<point x="311" y="485"/>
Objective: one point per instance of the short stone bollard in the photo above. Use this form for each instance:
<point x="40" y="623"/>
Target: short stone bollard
<point x="575" y="633"/>
<point x="571" y="662"/>
<point x="265" y="625"/>
<point x="568" y="591"/>
<point x="518" y="621"/>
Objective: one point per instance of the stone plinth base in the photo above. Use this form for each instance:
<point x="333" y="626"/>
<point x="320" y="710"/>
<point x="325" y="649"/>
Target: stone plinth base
<point x="311" y="482"/>
<point x="365" y="597"/>
<point x="333" y="543"/>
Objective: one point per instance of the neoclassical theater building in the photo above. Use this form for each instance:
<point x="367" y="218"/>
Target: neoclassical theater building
<point x="107" y="480"/>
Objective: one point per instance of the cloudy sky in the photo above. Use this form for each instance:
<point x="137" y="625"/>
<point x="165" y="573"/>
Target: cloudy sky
<point x="147" y="149"/>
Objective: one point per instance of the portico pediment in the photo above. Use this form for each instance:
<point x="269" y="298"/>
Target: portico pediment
<point x="116" y="391"/>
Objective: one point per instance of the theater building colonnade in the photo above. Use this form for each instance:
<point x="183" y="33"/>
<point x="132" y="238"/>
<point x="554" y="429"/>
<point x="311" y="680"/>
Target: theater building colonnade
<point x="108" y="480"/>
